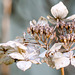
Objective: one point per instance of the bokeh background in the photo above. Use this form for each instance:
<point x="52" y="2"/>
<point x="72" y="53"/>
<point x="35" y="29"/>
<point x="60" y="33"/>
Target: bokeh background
<point x="14" y="20"/>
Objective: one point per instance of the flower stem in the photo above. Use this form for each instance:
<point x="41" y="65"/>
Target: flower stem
<point x="62" y="71"/>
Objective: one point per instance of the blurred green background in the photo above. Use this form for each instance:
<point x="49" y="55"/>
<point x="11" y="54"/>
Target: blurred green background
<point x="22" y="12"/>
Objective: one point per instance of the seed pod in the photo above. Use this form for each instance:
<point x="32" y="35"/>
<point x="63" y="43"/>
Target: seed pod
<point x="74" y="29"/>
<point x="71" y="30"/>
<point x="37" y="29"/>
<point x="69" y="24"/>
<point x="68" y="37"/>
<point x="65" y="39"/>
<point x="36" y="38"/>
<point x="63" y="23"/>
<point x="47" y="35"/>
<point x="72" y="37"/>
<point x="61" y="38"/>
<point x="41" y="31"/>
<point x="28" y="30"/>
<point x="62" y="26"/>
<point x="66" y="26"/>
<point x="34" y="29"/>
<point x="57" y="23"/>
<point x="56" y="38"/>
<point x="32" y="32"/>
<point x="47" y="55"/>
<point x="52" y="36"/>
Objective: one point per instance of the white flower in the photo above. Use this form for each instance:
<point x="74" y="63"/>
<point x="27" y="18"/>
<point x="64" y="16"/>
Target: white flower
<point x="59" y="11"/>
<point x="25" y="59"/>
<point x="10" y="47"/>
<point x="49" y="59"/>
<point x="63" y="59"/>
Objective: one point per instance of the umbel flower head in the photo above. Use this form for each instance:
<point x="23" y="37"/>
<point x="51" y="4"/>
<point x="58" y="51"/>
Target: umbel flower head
<point x="57" y="40"/>
<point x="59" y="11"/>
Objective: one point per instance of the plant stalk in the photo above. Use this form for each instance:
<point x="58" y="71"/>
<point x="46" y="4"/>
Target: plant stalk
<point x="62" y="71"/>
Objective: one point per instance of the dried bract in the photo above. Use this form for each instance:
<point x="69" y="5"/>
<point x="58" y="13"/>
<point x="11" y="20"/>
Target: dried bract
<point x="25" y="59"/>
<point x="59" y="10"/>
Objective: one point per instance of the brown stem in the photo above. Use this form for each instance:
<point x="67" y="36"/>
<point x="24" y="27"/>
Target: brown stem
<point x="62" y="71"/>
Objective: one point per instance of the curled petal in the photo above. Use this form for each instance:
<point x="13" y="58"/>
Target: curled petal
<point x="59" y="10"/>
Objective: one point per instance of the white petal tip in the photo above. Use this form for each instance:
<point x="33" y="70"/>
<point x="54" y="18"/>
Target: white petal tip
<point x="59" y="10"/>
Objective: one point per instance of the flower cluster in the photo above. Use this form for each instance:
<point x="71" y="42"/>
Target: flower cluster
<point x="41" y="30"/>
<point x="57" y="40"/>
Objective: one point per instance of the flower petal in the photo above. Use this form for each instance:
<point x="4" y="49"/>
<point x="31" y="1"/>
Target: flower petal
<point x="21" y="46"/>
<point x="11" y="44"/>
<point x="16" y="55"/>
<point x="59" y="10"/>
<point x="51" y="19"/>
<point x="49" y="61"/>
<point x="42" y="55"/>
<point x="58" y="55"/>
<point x="61" y="62"/>
<point x="71" y="17"/>
<point x="24" y="65"/>
<point x="36" y="61"/>
<point x="56" y="47"/>
<point x="73" y="62"/>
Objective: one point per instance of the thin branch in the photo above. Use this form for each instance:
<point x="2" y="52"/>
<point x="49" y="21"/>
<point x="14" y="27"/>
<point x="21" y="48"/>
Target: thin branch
<point x="62" y="71"/>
